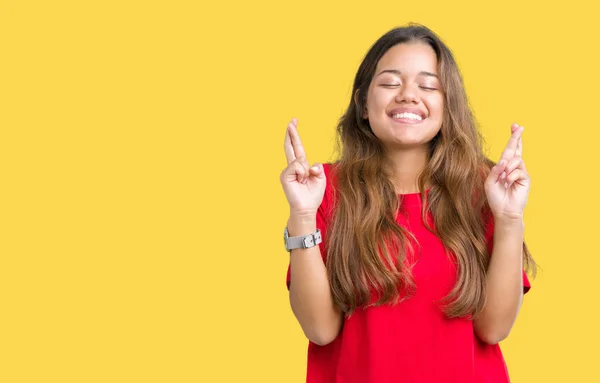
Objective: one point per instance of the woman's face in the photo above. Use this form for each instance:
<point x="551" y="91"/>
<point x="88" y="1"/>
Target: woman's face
<point x="405" y="102"/>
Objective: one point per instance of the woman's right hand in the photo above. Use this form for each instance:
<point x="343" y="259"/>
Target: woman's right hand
<point x="304" y="186"/>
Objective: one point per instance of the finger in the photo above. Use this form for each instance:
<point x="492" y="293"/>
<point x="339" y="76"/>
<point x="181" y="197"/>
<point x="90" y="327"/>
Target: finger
<point x="513" y="164"/>
<point x="294" y="171"/>
<point x="513" y="142"/>
<point x="287" y="147"/>
<point x="516" y="176"/>
<point x="296" y="142"/>
<point x="317" y="171"/>
<point x="304" y="162"/>
<point x="511" y="147"/>
<point x="519" y="150"/>
<point x="495" y="173"/>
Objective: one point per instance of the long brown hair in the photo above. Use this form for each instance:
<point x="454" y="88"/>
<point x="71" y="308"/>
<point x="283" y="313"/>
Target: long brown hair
<point x="366" y="246"/>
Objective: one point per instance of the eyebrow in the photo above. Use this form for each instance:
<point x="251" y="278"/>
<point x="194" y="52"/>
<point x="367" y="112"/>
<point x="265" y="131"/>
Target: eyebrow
<point x="396" y="71"/>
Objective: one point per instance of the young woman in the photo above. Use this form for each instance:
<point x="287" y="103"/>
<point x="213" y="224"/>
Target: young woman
<point x="407" y="255"/>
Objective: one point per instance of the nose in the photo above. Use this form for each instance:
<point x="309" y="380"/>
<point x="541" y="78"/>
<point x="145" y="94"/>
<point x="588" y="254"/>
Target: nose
<point x="408" y="94"/>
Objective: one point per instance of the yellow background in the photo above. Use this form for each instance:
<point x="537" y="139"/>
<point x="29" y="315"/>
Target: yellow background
<point x="141" y="146"/>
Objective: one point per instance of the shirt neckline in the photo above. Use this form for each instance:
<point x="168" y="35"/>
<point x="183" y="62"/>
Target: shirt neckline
<point x="411" y="199"/>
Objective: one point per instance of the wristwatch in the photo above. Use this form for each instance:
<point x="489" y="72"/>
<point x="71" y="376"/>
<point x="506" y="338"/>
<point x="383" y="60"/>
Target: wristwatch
<point x="302" y="242"/>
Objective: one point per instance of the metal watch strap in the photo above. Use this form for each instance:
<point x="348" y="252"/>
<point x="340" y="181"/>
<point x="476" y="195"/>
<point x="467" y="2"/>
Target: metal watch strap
<point x="302" y="242"/>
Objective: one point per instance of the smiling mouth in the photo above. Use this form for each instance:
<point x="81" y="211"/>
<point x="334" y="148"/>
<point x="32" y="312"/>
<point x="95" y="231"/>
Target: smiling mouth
<point x="407" y="118"/>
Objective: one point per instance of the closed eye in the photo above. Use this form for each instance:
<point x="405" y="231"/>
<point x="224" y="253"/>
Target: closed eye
<point x="427" y="88"/>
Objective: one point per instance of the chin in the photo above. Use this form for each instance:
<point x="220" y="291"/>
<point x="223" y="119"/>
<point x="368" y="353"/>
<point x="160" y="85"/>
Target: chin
<point x="409" y="141"/>
<point x="406" y="136"/>
<point x="409" y="145"/>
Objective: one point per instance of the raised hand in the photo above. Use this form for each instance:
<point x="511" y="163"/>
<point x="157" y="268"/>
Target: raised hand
<point x="304" y="186"/>
<point x="507" y="185"/>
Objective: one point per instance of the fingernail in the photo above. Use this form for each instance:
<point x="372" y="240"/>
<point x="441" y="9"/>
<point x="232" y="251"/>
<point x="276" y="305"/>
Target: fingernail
<point x="315" y="168"/>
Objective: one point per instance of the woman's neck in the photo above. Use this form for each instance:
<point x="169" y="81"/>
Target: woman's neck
<point x="405" y="167"/>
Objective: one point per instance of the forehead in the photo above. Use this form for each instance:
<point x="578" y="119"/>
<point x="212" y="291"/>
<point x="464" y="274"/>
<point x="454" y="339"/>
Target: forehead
<point x="409" y="58"/>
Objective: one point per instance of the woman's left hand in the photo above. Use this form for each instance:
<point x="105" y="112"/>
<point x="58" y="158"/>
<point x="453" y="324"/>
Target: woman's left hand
<point x="507" y="185"/>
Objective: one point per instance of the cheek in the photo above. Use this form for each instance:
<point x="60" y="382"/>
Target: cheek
<point x="436" y="106"/>
<point x="378" y="101"/>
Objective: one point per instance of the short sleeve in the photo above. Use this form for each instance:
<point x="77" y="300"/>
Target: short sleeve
<point x="489" y="238"/>
<point x="323" y="218"/>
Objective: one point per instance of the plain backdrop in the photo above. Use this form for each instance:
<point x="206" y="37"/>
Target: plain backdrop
<point x="141" y="144"/>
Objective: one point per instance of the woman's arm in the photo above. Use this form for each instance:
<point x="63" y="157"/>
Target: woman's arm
<point x="504" y="282"/>
<point x="310" y="294"/>
<point x="507" y="189"/>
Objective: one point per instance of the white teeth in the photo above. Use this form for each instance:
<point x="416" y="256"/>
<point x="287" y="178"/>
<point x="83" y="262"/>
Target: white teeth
<point x="410" y="116"/>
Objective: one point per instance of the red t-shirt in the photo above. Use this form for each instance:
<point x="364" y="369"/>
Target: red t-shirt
<point x="411" y="342"/>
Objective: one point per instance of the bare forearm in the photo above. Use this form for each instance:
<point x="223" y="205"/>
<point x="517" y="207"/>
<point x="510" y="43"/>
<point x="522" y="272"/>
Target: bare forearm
<point x="504" y="282"/>
<point x="310" y="294"/>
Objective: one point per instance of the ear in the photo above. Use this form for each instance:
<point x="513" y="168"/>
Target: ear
<point x="365" y="112"/>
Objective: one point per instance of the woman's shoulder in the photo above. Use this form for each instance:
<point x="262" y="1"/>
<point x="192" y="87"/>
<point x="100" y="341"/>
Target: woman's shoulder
<point x="328" y="203"/>
<point x="329" y="169"/>
<point x="328" y="166"/>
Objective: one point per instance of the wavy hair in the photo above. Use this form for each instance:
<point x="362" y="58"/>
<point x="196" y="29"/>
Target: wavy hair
<point x="367" y="248"/>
